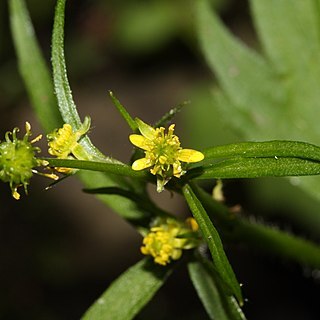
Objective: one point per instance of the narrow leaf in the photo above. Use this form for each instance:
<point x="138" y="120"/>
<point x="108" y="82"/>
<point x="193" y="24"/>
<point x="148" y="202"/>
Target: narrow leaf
<point x="276" y="23"/>
<point x="276" y="148"/>
<point x="33" y="68"/>
<point x="128" y="294"/>
<point x="260" y="167"/>
<point x="285" y="99"/>
<point x="170" y="115"/>
<point x="63" y="92"/>
<point x="124" y="113"/>
<point x="243" y="74"/>
<point x="217" y="304"/>
<point x="213" y="240"/>
<point x="61" y="82"/>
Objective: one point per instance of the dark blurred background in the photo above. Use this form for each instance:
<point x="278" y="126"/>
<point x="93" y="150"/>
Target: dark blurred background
<point x="60" y="249"/>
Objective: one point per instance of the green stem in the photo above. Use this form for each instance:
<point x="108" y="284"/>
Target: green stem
<point x="259" y="236"/>
<point x="118" y="169"/>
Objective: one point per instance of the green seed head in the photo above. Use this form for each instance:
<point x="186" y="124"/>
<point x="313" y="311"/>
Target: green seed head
<point x="17" y="159"/>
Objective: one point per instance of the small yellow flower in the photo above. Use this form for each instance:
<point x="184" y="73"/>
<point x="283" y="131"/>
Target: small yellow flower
<point x="162" y="152"/>
<point x="64" y="143"/>
<point x="165" y="240"/>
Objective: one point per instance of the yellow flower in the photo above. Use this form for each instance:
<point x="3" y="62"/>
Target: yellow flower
<point x="165" y="240"/>
<point x="162" y="152"/>
<point x="64" y="143"/>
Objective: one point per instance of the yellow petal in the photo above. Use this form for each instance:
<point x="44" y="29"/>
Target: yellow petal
<point x="141" y="164"/>
<point x="192" y="223"/>
<point x="140" y="141"/>
<point x="146" y="130"/>
<point x="189" y="155"/>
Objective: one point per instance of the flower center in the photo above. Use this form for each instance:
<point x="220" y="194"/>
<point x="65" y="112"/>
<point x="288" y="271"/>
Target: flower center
<point x="163" y="151"/>
<point x="163" y="242"/>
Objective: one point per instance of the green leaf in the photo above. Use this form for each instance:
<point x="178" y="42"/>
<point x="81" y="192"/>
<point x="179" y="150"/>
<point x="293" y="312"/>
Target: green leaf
<point x="62" y="88"/>
<point x="289" y="32"/>
<point x="61" y="83"/>
<point x="143" y="202"/>
<point x="259" y="167"/>
<point x="33" y="68"/>
<point x="275" y="96"/>
<point x="217" y="304"/>
<point x="125" y="208"/>
<point x="128" y="294"/>
<point x="167" y="117"/>
<point x="213" y="240"/>
<point x="125" y="114"/>
<point x="244" y="75"/>
<point x="294" y="149"/>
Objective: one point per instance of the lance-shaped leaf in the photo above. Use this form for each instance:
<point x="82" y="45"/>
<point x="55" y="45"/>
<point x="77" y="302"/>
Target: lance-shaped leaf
<point x="243" y="74"/>
<point x="206" y="282"/>
<point x="168" y="116"/>
<point x="212" y="238"/>
<point x="260" y="167"/>
<point x="124" y="113"/>
<point x="128" y="294"/>
<point x="286" y="30"/>
<point x="33" y="68"/>
<point x="276" y="148"/>
<point x="276" y="97"/>
<point x="62" y="88"/>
